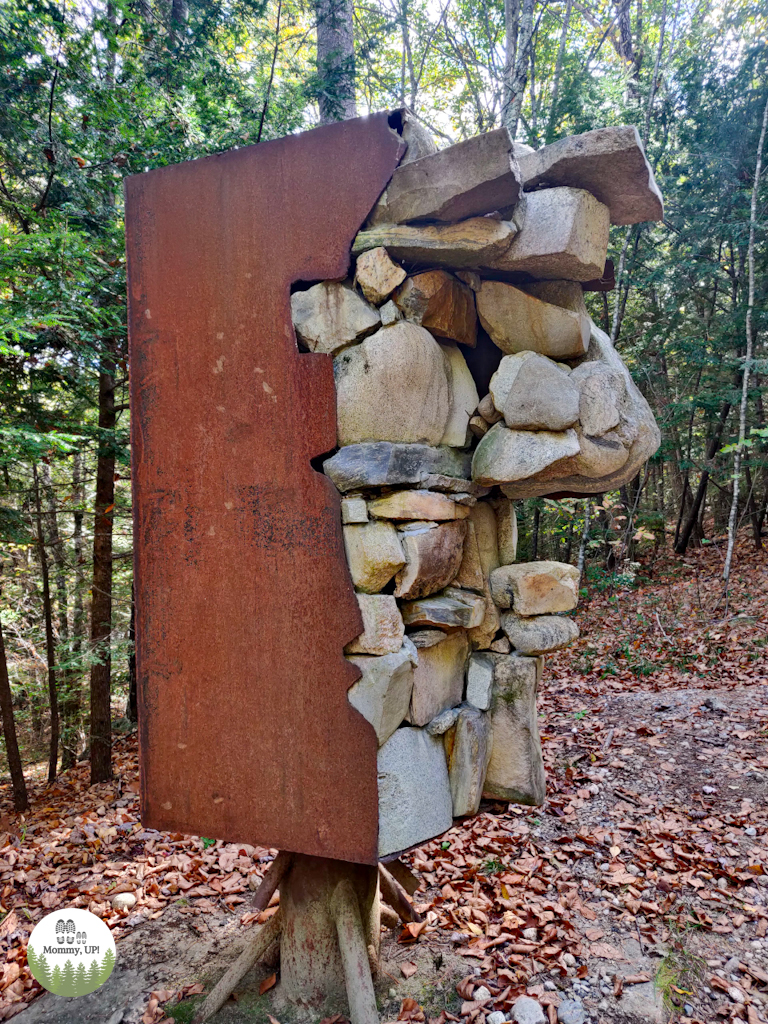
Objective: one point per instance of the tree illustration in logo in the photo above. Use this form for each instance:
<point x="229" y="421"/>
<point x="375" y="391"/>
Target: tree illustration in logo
<point x="94" y="975"/>
<point x="106" y="965"/>
<point x="56" y="980"/>
<point x="67" y="980"/>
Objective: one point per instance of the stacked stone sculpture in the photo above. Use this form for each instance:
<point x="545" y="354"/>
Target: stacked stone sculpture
<point x="469" y="374"/>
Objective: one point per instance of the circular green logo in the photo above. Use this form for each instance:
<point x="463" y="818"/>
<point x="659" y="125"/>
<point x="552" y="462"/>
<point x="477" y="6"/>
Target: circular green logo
<point x="71" y="952"/>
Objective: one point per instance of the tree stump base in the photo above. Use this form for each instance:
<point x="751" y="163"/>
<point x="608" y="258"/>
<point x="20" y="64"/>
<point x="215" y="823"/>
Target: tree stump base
<point x="330" y="936"/>
<point x="327" y="928"/>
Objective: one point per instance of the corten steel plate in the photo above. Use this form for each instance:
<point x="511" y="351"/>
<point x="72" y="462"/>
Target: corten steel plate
<point x="243" y="596"/>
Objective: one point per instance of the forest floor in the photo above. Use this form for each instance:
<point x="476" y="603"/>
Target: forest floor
<point x="640" y="888"/>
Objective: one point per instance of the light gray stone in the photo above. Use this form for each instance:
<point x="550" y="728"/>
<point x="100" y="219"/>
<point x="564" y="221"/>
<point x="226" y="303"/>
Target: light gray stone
<point x="124" y="901"/>
<point x="330" y="315"/>
<point x="540" y="634"/>
<point x="536" y="588"/>
<point x="598" y="458"/>
<point x="501" y="646"/>
<point x="527" y="1011"/>
<point x="468" y="749"/>
<point x="443" y="722"/>
<point x="354" y="510"/>
<point x="516" y="768"/>
<point x="517" y="321"/>
<point x="414" y="791"/>
<point x="608" y="162"/>
<point x="374" y="554"/>
<point x="389" y="313"/>
<point x="643" y="1002"/>
<point x="383" y="694"/>
<point x="480" y="680"/>
<point x="533" y="393"/>
<point x="601" y="393"/>
<point x="473" y="177"/>
<point x="497" y="1017"/>
<point x="478" y="241"/>
<point x="504" y="455"/>
<point x="383" y="628"/>
<point x="377" y="275"/>
<point x="433" y="556"/>
<point x="418" y="139"/>
<point x="392" y="387"/>
<point x="388" y="464"/>
<point x="637" y="432"/>
<point x="488" y="410"/>
<point x="453" y="608"/>
<point x="464" y="397"/>
<point x="571" y="1011"/>
<point x="438" y="679"/>
<point x="564" y="236"/>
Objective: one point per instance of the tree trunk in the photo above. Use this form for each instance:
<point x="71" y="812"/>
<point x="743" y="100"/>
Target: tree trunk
<point x="330" y="934"/>
<point x="133" y="703"/>
<point x="101" y="601"/>
<point x="70" y="708"/>
<point x="535" y="535"/>
<point x="18" y="784"/>
<point x="701" y="490"/>
<point x="335" y="60"/>
<point x="50" y="646"/>
<point x="518" y="78"/>
<point x="733" y="520"/>
<point x="552" y="123"/>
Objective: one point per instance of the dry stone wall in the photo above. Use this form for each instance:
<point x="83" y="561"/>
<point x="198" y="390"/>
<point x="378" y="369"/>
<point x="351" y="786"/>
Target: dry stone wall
<point x="468" y="374"/>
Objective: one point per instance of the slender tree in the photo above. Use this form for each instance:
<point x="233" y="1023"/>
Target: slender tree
<point x="335" y="60"/>
<point x="18" y="783"/>
<point x="101" y="600"/>
<point x="50" y="644"/>
<point x="737" y="455"/>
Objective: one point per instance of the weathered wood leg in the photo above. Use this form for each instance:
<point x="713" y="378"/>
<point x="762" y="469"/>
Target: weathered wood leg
<point x="330" y="929"/>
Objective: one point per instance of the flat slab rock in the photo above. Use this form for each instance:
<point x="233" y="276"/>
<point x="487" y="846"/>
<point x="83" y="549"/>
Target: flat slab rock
<point x="474" y="177"/>
<point x="468" y="746"/>
<point x="608" y="162"/>
<point x="475" y="242"/>
<point x="452" y="608"/>
<point x="414" y="791"/>
<point x="390" y="464"/>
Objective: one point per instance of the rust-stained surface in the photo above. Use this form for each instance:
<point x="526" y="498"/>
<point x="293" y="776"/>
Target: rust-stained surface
<point x="244" y="600"/>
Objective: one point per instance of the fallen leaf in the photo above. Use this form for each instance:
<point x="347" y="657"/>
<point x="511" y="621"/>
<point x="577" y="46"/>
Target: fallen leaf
<point x="267" y="984"/>
<point x="408" y="969"/>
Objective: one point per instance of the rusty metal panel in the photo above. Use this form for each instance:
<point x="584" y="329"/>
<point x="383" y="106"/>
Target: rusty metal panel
<point x="243" y="597"/>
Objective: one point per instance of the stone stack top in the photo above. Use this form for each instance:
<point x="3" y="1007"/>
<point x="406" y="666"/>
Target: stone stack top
<point x="608" y="162"/>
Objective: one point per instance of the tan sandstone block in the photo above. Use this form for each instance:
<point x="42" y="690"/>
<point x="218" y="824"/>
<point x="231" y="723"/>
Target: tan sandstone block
<point x="377" y="275"/>
<point x="536" y="588"/>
